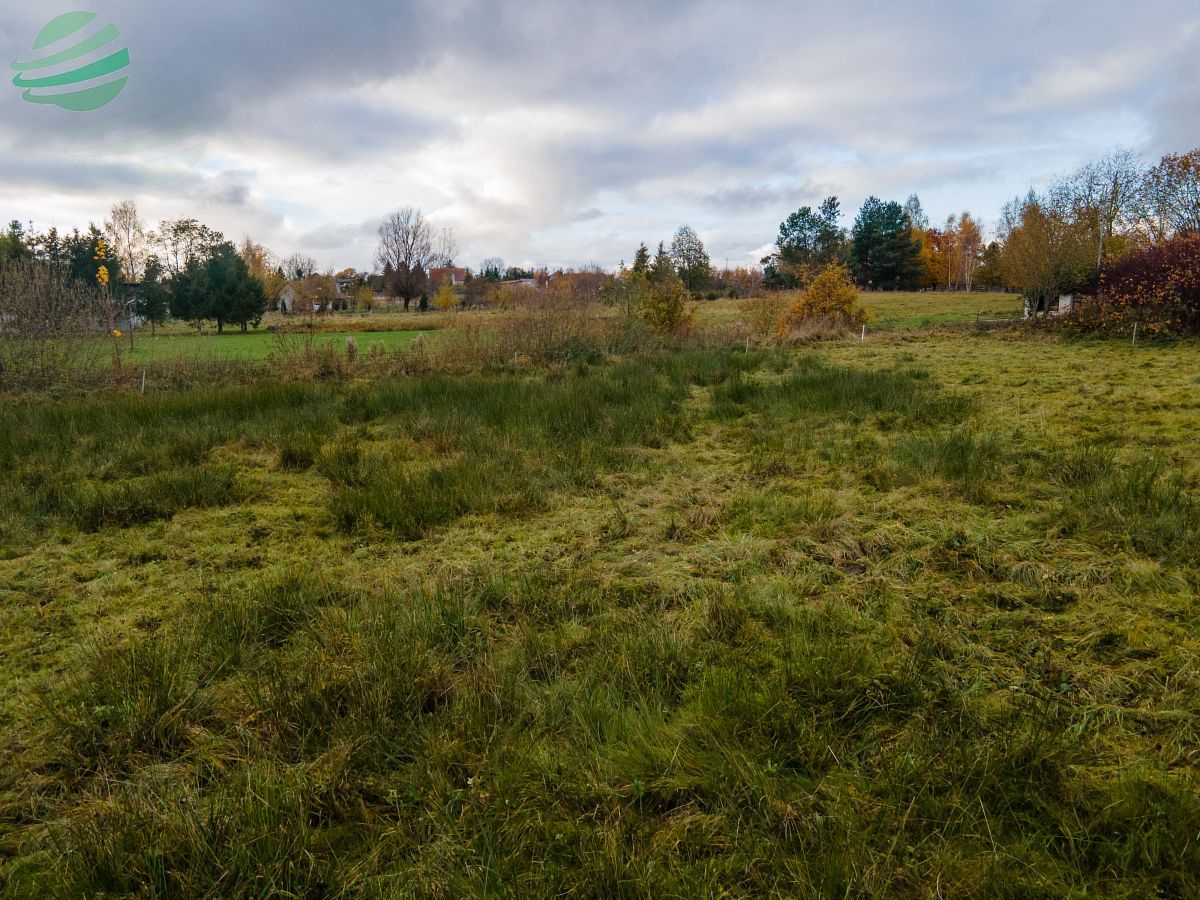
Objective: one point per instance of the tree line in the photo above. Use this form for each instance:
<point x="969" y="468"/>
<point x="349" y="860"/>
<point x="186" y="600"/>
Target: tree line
<point x="1065" y="239"/>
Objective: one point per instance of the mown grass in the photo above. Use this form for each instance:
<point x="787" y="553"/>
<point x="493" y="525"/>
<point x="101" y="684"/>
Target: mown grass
<point x="873" y="621"/>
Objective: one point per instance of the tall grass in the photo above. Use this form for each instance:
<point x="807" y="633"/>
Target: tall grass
<point x="517" y="735"/>
<point x="1142" y="501"/>
<point x="810" y="699"/>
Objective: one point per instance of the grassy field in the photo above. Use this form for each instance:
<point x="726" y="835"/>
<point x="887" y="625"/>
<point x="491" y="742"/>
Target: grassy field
<point x="910" y="617"/>
<point x="396" y="329"/>
<point x="251" y="345"/>
<point x="898" y="310"/>
<point x="901" y="309"/>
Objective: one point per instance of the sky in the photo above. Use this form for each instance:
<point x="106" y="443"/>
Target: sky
<point x="563" y="133"/>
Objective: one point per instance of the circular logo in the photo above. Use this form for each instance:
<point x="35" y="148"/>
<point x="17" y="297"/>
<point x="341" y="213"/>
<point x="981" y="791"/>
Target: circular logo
<point x="74" y="65"/>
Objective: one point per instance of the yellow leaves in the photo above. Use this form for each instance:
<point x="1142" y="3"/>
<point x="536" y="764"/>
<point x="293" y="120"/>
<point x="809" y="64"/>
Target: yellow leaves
<point x="831" y="295"/>
<point x="102" y="276"/>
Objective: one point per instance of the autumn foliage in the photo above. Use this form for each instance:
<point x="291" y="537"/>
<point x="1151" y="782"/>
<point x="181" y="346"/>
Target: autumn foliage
<point x="831" y="298"/>
<point x="1159" y="287"/>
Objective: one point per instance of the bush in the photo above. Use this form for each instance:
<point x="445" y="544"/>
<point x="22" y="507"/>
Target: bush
<point x="666" y="308"/>
<point x="49" y="325"/>
<point x="831" y="297"/>
<point x="761" y="314"/>
<point x="1159" y="287"/>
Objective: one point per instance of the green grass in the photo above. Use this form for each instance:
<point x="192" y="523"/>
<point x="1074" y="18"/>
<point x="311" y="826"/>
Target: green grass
<point x="914" y="617"/>
<point x="896" y="310"/>
<point x="252" y="345"/>
<point x="914" y="309"/>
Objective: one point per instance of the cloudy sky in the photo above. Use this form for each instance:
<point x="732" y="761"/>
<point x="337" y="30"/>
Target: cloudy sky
<point x="560" y="132"/>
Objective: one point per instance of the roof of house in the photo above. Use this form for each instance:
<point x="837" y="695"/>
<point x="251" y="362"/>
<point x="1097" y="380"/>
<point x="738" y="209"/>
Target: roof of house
<point x="437" y="276"/>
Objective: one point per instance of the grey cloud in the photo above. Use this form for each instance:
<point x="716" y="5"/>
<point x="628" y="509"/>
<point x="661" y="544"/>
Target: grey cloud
<point x="755" y="197"/>
<point x="309" y="115"/>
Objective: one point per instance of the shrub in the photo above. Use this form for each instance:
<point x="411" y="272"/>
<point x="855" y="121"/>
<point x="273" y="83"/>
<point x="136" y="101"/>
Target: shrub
<point x="761" y="313"/>
<point x="666" y="308"/>
<point x="1158" y="286"/>
<point x="831" y="297"/>
<point x="49" y="325"/>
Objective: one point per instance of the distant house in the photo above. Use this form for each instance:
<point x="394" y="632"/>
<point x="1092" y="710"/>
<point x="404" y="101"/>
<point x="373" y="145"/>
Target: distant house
<point x="456" y="276"/>
<point x="326" y="293"/>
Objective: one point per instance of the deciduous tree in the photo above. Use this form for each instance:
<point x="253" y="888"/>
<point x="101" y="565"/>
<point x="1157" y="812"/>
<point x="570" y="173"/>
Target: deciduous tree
<point x="181" y="241"/>
<point x="691" y="261"/>
<point x="128" y="239"/>
<point x="1171" y="197"/>
<point x="406" y="251"/>
<point x="1046" y="252"/>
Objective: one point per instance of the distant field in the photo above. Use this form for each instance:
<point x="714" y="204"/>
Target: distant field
<point x="912" y="309"/>
<point x="253" y="345"/>
<point x="900" y="309"/>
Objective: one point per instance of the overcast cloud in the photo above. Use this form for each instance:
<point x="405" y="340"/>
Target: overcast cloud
<point x="560" y="132"/>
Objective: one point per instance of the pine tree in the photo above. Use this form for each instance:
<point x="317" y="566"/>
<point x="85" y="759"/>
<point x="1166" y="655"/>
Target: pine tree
<point x="884" y="253"/>
<point x="641" y="260"/>
<point x="151" y="303"/>
<point x="662" y="267"/>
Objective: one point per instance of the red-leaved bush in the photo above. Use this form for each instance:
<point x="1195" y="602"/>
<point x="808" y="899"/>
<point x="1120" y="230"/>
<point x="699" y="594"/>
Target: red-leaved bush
<point x="1159" y="287"/>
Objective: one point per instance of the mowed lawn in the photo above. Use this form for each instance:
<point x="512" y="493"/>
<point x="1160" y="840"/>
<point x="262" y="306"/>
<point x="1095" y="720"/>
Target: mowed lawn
<point x="912" y="617"/>
<point x="251" y="345"/>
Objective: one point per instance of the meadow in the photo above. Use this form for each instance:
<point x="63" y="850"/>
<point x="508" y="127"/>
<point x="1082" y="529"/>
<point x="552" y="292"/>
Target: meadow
<point x="251" y="345"/>
<point x="393" y="329"/>
<point x="914" y="616"/>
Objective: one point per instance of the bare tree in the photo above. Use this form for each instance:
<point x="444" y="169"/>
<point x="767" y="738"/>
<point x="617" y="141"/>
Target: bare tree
<point x="406" y="251"/>
<point x="492" y="269"/>
<point x="127" y="235"/>
<point x="446" y="249"/>
<point x="1104" y="196"/>
<point x="298" y="266"/>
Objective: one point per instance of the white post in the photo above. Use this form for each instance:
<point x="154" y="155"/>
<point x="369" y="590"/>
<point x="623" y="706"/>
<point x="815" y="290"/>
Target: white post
<point x="1135" y="325"/>
<point x="143" y="382"/>
<point x="863" y="339"/>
